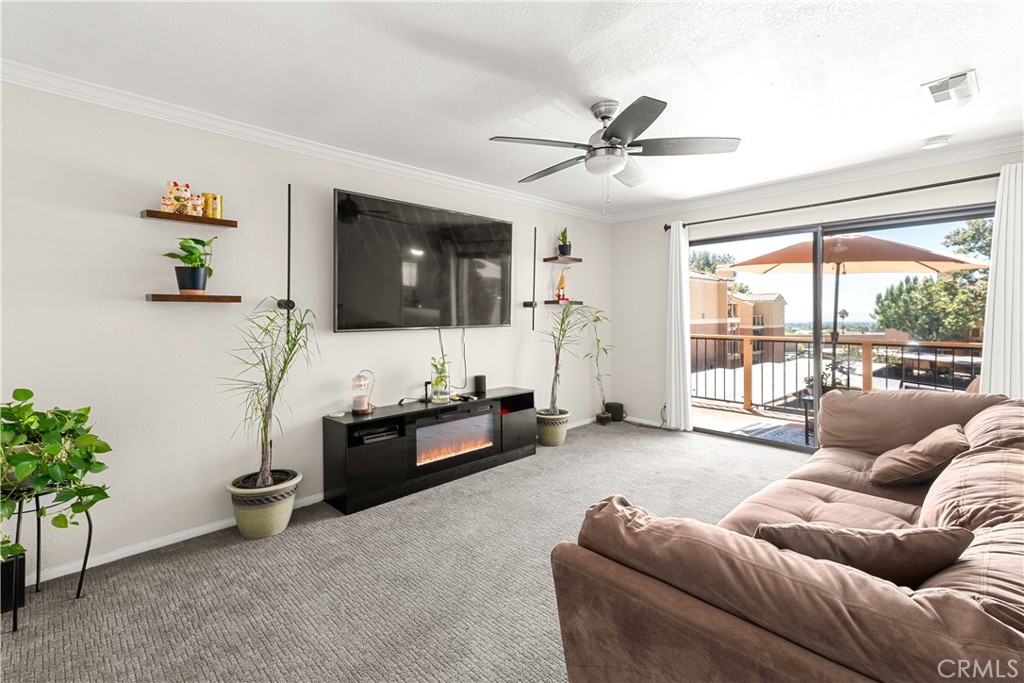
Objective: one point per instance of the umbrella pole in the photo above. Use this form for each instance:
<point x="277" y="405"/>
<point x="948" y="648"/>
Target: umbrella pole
<point x="835" y="327"/>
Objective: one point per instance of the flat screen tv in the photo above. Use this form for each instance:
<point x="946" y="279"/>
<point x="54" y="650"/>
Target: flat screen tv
<point x="404" y="266"/>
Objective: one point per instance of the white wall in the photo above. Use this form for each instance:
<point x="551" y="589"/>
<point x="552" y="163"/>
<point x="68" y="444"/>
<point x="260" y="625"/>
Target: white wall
<point x="640" y="266"/>
<point x="78" y="261"/>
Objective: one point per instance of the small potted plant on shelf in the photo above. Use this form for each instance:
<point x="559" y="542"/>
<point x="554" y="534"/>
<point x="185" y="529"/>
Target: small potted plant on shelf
<point x="440" y="390"/>
<point x="566" y="332"/>
<point x="195" y="269"/>
<point x="46" y="452"/>
<point x="597" y="317"/>
<point x="274" y="340"/>
<point x="564" y="245"/>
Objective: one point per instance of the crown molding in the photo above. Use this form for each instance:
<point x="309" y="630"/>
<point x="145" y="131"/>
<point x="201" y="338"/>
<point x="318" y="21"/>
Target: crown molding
<point x="27" y="76"/>
<point x="917" y="161"/>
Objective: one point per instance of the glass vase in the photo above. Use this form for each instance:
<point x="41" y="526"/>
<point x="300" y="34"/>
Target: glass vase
<point x="440" y="391"/>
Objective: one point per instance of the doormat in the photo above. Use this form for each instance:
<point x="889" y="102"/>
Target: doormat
<point x="791" y="434"/>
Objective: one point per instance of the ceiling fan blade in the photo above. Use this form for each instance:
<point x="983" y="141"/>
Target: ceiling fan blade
<point x="634" y="119"/>
<point x="632" y="175"/>
<point x="545" y="143"/>
<point x="661" y="147"/>
<point x="553" y="169"/>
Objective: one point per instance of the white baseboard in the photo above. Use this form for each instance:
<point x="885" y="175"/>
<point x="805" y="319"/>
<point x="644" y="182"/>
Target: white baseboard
<point x="642" y="421"/>
<point x="580" y="423"/>
<point x="152" y="544"/>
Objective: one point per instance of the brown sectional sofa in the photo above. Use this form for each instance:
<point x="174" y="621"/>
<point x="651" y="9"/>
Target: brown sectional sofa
<point x="650" y="600"/>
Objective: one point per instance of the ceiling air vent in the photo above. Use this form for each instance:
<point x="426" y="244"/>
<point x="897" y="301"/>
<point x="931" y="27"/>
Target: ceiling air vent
<point x="959" y="88"/>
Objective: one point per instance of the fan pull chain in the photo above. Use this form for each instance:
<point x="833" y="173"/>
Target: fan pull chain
<point x="607" y="194"/>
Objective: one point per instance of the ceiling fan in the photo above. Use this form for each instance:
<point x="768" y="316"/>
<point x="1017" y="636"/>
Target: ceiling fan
<point x="611" y="149"/>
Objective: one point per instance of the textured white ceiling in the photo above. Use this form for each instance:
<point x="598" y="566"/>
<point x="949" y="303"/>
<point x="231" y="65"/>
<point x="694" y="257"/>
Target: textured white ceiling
<point x="809" y="87"/>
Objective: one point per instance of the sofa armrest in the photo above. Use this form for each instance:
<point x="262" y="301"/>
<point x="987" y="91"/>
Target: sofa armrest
<point x="620" y="625"/>
<point x="864" y="623"/>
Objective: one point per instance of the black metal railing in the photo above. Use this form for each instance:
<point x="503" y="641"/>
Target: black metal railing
<point x="774" y="372"/>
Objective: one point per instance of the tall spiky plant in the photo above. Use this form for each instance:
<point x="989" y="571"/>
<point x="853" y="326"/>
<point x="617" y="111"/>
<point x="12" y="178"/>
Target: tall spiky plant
<point x="274" y="339"/>
<point x="567" y="325"/>
<point x="597" y="317"/>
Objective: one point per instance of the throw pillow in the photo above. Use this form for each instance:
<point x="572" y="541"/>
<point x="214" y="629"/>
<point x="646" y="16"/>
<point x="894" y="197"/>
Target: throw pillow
<point x="921" y="461"/>
<point x="906" y="557"/>
<point x="1000" y="425"/>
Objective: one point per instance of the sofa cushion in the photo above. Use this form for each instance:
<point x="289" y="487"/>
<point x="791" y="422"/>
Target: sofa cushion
<point x="876" y="422"/>
<point x="992" y="570"/>
<point x="791" y="500"/>
<point x="919" y="462"/>
<point x="851" y="470"/>
<point x="1000" y="425"/>
<point x="869" y="625"/>
<point x="982" y="487"/>
<point x="904" y="556"/>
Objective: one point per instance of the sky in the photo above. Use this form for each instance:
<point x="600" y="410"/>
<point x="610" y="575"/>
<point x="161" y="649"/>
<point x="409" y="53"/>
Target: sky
<point x="856" y="292"/>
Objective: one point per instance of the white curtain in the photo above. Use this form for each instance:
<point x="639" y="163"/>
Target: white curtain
<point x="677" y="403"/>
<point x="1002" y="369"/>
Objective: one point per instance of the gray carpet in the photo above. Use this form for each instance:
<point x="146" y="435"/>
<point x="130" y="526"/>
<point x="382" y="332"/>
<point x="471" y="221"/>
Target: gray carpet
<point x="452" y="584"/>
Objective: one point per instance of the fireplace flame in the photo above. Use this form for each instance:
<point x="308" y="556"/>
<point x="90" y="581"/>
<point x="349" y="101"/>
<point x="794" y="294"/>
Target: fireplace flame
<point x="451" y="450"/>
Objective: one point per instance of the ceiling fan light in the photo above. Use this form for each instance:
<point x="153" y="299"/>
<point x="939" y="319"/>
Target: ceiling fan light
<point x="605" y="161"/>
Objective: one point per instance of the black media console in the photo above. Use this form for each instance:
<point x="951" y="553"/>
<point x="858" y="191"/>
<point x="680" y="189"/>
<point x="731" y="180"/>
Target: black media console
<point x="398" y="450"/>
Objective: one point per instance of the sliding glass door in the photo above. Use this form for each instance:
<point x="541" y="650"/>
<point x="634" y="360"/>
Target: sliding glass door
<point x="778" y="319"/>
<point x="752" y="336"/>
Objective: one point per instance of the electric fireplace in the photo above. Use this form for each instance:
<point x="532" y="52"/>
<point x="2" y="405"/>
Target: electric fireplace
<point x="453" y="438"/>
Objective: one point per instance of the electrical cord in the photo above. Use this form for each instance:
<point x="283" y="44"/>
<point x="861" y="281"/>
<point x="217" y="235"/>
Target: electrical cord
<point x="465" y="370"/>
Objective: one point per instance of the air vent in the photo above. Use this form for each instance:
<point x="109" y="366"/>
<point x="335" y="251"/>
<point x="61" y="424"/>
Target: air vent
<point x="959" y="88"/>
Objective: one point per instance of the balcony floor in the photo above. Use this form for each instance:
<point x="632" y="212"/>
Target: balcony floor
<point x="759" y="425"/>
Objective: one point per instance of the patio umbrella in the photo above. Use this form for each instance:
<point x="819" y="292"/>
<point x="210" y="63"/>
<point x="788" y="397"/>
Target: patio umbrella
<point x="851" y="254"/>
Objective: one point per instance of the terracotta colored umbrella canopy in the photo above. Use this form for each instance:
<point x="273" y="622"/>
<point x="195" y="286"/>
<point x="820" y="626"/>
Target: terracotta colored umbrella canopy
<point x="849" y="254"/>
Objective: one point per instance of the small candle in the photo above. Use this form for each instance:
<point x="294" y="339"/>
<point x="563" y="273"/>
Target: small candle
<point x="360" y="403"/>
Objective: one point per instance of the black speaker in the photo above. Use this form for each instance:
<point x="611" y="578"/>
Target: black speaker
<point x="618" y="413"/>
<point x="479" y="384"/>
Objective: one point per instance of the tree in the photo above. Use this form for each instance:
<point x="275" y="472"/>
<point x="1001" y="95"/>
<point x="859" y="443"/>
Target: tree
<point x="928" y="309"/>
<point x="741" y="287"/>
<point x="843" y="315"/>
<point x="941" y="309"/>
<point x="974" y="239"/>
<point x="708" y="261"/>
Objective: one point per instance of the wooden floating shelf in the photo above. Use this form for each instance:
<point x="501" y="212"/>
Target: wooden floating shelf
<point x="167" y="216"/>
<point x="555" y="302"/>
<point x="191" y="298"/>
<point x="562" y="259"/>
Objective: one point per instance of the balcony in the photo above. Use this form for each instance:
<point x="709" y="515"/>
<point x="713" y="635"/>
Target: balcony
<point x="737" y="389"/>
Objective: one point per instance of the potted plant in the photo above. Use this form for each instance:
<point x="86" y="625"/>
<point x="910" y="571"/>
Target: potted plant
<point x="567" y="326"/>
<point x="600" y="349"/>
<point x="564" y="245"/>
<point x="46" y="452"/>
<point x="195" y="269"/>
<point x="440" y="391"/>
<point x="274" y="340"/>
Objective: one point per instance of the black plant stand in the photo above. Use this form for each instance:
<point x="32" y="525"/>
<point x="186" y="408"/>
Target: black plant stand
<point x="39" y="550"/>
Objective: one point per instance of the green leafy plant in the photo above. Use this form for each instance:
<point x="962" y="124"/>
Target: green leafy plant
<point x="563" y="236"/>
<point x="274" y="339"/>
<point x="566" y="332"/>
<point x="51" y="451"/>
<point x="597" y="317"/>
<point x="439" y="368"/>
<point x="195" y="253"/>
